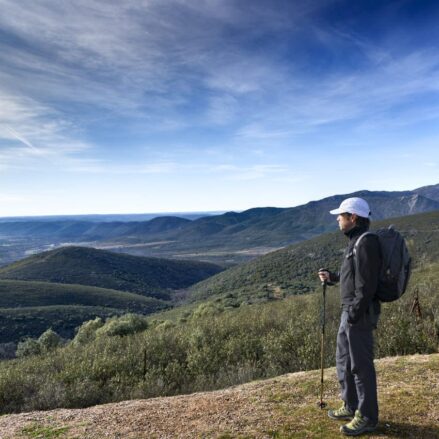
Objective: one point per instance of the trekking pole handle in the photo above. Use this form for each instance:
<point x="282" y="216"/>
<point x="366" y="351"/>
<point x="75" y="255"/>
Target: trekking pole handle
<point x="324" y="270"/>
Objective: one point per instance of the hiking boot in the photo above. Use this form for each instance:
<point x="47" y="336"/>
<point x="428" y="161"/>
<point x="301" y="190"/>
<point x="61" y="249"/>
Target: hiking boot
<point x="342" y="413"/>
<point x="358" y="425"/>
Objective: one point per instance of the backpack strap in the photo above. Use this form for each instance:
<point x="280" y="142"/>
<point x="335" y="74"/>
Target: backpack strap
<point x="354" y="251"/>
<point x="371" y="309"/>
<point x="357" y="242"/>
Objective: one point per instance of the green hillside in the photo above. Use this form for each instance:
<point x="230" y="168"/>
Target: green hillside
<point x="20" y="294"/>
<point x="87" y="266"/>
<point x="289" y="271"/>
<point x="292" y="270"/>
<point x="63" y="288"/>
<point x="28" y="308"/>
<point x="210" y="348"/>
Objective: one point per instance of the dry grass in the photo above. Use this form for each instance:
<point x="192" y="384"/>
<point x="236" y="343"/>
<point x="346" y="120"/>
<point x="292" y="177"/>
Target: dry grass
<point x="284" y="407"/>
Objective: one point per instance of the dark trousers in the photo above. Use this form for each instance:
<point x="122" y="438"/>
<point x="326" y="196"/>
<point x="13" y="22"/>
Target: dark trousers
<point x="355" y="368"/>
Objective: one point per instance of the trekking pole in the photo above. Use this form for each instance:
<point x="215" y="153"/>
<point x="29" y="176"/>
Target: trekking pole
<point x="322" y="404"/>
<point x="416" y="306"/>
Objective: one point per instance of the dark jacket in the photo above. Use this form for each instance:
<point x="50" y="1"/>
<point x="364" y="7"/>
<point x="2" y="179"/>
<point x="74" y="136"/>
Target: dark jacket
<point x="359" y="275"/>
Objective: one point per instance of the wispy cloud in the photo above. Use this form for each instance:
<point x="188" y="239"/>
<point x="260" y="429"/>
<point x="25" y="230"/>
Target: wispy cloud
<point x="150" y="67"/>
<point x="32" y="131"/>
<point x="138" y="57"/>
<point x="23" y="140"/>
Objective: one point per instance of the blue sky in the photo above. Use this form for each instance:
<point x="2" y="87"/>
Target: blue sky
<point x="178" y="105"/>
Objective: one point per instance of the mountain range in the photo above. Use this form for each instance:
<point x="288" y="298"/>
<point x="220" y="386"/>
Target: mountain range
<point x="228" y="238"/>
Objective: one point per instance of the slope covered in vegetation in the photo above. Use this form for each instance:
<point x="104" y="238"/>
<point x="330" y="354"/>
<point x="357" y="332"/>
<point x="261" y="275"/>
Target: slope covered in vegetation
<point x="61" y="289"/>
<point x="292" y="270"/>
<point x="28" y="308"/>
<point x="20" y="323"/>
<point x="21" y="294"/>
<point x="87" y="266"/>
<point x="208" y="349"/>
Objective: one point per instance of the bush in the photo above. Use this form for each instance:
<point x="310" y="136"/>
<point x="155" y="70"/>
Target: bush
<point x="28" y="347"/>
<point x="124" y="325"/>
<point x="49" y="341"/>
<point x="87" y="331"/>
<point x="207" y="309"/>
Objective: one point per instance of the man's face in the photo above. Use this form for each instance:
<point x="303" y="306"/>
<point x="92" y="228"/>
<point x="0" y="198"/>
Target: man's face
<point x="346" y="221"/>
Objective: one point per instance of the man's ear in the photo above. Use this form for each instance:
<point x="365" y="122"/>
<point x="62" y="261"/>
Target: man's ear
<point x="354" y="218"/>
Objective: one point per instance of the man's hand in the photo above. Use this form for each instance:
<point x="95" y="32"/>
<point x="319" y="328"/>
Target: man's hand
<point x="324" y="275"/>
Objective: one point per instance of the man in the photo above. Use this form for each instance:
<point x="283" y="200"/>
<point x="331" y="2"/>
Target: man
<point x="358" y="279"/>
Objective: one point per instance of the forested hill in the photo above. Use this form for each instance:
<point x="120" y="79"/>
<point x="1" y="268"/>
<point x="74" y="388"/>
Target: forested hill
<point x="87" y="266"/>
<point x="292" y="270"/>
<point x="61" y="289"/>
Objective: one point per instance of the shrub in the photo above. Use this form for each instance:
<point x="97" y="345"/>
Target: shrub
<point x="124" y="325"/>
<point x="28" y="347"/>
<point x="49" y="340"/>
<point x="87" y="331"/>
<point x="207" y="309"/>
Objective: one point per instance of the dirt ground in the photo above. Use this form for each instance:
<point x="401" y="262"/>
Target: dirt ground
<point x="283" y="407"/>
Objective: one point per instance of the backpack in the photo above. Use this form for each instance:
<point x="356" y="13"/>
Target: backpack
<point x="396" y="266"/>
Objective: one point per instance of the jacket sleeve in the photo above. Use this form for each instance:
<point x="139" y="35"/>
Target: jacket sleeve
<point x="367" y="265"/>
<point x="333" y="278"/>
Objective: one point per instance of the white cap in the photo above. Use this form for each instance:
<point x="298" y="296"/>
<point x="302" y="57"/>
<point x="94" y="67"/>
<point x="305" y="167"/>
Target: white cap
<point x="353" y="205"/>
